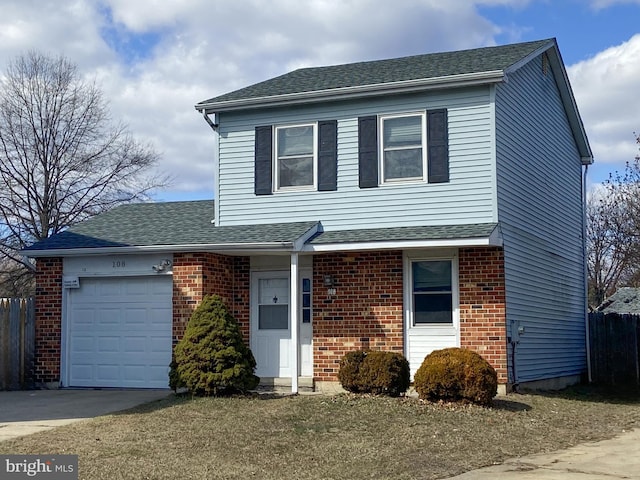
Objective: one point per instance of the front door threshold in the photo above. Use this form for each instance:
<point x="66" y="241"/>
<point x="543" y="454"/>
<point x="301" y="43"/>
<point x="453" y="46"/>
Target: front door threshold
<point x="283" y="384"/>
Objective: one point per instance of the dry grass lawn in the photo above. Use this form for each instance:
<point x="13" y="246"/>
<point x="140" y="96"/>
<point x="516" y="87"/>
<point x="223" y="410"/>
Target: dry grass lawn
<point x="328" y="437"/>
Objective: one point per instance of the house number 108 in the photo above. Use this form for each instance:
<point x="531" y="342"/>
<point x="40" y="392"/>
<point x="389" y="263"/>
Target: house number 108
<point x="118" y="264"/>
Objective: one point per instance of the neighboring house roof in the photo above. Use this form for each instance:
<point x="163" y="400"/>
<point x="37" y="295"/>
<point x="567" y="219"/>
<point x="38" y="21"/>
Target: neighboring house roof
<point x="625" y="300"/>
<point x="167" y="226"/>
<point x="402" y="75"/>
<point x="187" y="226"/>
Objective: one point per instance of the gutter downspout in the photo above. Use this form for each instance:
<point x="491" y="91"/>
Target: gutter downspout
<point x="216" y="162"/>
<point x="586" y="272"/>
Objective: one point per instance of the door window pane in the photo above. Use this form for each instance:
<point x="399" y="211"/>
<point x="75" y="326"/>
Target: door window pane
<point x="432" y="292"/>
<point x="273" y="317"/>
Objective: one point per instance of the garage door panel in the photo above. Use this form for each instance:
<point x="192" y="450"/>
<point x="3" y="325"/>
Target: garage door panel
<point x="119" y="333"/>
<point x="135" y="344"/>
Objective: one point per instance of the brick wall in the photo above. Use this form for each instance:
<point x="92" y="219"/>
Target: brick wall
<point x="483" y="326"/>
<point x="198" y="274"/>
<point x="367" y="309"/>
<point x="365" y="312"/>
<point x="48" y="319"/>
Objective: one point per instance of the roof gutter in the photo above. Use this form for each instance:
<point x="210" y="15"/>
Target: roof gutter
<point x="495" y="240"/>
<point x="408" y="86"/>
<point x="205" y="247"/>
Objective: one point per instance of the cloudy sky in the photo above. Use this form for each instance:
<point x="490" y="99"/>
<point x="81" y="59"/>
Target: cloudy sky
<point x="155" y="59"/>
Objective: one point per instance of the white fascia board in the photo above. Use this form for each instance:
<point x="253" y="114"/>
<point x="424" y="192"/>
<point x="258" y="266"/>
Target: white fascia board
<point x="462" y="80"/>
<point x="214" y="248"/>
<point x="299" y="244"/>
<point x="493" y="240"/>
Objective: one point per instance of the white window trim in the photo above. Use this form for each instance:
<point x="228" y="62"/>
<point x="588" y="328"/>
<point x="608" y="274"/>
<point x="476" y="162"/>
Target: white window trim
<point x="314" y="186"/>
<point x="381" y="119"/>
<point x="433" y="329"/>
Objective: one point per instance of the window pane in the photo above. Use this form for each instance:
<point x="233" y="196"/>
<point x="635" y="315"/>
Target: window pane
<point x="433" y="308"/>
<point x="306" y="284"/>
<point x="295" y="141"/>
<point x="432" y="276"/>
<point x="273" y="317"/>
<point x="403" y="163"/>
<point x="306" y="315"/>
<point x="294" y="172"/>
<point x="402" y="132"/>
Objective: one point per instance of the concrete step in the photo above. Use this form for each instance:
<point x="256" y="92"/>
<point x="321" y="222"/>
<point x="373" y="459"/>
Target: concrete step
<point x="283" y="385"/>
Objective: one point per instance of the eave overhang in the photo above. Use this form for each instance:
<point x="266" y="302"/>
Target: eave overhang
<point x="344" y="93"/>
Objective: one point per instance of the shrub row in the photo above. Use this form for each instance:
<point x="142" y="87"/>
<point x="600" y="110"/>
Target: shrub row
<point x="451" y="374"/>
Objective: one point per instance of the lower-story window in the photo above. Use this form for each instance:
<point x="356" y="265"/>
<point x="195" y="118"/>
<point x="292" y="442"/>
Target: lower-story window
<point x="432" y="292"/>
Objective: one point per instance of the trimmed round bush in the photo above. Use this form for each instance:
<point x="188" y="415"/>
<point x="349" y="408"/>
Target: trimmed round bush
<point x="456" y="375"/>
<point x="372" y="371"/>
<point x="212" y="359"/>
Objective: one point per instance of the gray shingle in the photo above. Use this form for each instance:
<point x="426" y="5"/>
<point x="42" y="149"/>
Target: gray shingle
<point x="439" y="232"/>
<point x="170" y="223"/>
<point x="626" y="300"/>
<point x="433" y="65"/>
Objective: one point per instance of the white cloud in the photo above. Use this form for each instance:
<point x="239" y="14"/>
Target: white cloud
<point x="605" y="88"/>
<point x="600" y="4"/>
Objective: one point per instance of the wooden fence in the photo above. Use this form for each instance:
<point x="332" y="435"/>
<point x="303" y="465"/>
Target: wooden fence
<point x="615" y="349"/>
<point x="17" y="342"/>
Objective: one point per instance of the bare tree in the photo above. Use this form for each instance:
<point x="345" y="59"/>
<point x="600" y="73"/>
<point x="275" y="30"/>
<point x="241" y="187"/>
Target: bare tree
<point x="62" y="158"/>
<point x="613" y="233"/>
<point x="607" y="245"/>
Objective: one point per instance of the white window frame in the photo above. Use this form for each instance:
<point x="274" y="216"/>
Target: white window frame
<point x="434" y="328"/>
<point x="276" y="179"/>
<point x="381" y="148"/>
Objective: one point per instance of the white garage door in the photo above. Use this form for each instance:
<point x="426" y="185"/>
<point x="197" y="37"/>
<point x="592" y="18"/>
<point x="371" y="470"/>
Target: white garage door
<point x="119" y="332"/>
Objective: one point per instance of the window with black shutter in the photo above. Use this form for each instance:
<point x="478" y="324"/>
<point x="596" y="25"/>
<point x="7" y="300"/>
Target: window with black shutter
<point x="296" y="157"/>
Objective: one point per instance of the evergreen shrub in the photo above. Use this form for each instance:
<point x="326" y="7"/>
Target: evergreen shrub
<point x="212" y="358"/>
<point x="456" y="375"/>
<point x="372" y="371"/>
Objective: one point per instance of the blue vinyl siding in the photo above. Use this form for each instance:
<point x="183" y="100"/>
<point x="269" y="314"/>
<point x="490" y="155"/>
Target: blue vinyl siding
<point x="467" y="198"/>
<point x="539" y="182"/>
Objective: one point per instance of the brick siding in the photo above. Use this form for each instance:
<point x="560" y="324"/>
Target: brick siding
<point x="48" y="319"/>
<point x="365" y="312"/>
<point x="367" y="309"/>
<point x="198" y="274"/>
<point x="483" y="326"/>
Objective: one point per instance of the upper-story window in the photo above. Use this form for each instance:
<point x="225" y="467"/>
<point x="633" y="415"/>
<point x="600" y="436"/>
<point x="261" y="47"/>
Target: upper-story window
<point x="289" y="158"/>
<point x="407" y="147"/>
<point x="296" y="157"/>
<point x="402" y="147"/>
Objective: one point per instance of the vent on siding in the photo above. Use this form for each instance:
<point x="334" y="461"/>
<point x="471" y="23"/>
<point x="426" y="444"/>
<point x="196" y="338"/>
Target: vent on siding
<point x="545" y="64"/>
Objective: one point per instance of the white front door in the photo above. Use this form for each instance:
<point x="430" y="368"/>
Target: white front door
<point x="271" y="324"/>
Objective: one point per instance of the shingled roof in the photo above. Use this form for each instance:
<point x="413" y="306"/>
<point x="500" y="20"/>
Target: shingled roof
<point x="170" y="224"/>
<point x="379" y="72"/>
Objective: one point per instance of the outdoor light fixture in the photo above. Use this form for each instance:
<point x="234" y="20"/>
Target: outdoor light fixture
<point x="162" y="266"/>
<point x="329" y="281"/>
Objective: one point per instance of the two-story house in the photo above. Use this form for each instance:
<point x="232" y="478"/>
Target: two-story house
<point x="408" y="204"/>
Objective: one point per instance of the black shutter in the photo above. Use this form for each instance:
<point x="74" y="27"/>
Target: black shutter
<point x="438" y="146"/>
<point x="368" y="151"/>
<point x="328" y="155"/>
<point x="263" y="160"/>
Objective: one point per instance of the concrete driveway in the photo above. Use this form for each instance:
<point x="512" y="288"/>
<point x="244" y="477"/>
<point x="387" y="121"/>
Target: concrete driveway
<point x="26" y="412"/>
